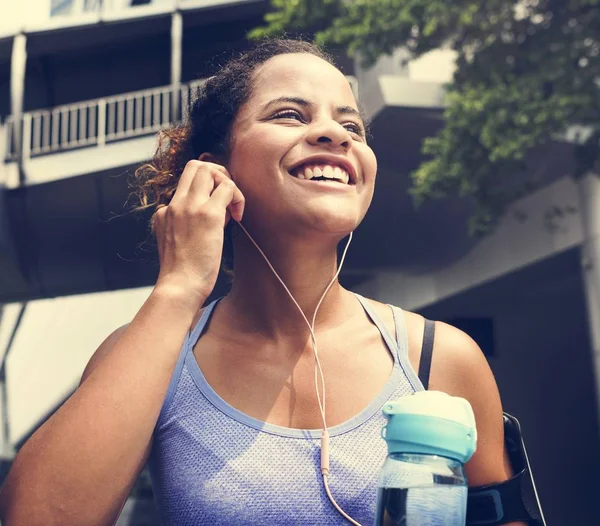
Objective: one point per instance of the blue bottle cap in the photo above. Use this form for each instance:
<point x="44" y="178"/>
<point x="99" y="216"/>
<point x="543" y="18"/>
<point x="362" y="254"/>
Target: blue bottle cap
<point x="431" y="423"/>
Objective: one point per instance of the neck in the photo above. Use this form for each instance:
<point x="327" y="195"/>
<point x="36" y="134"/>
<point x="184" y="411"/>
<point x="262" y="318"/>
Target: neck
<point x="260" y="304"/>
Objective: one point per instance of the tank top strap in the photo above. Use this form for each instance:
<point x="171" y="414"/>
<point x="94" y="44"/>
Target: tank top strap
<point x="389" y="340"/>
<point x="191" y="338"/>
<point x="402" y="344"/>
<point x="401" y="332"/>
<point x="194" y="335"/>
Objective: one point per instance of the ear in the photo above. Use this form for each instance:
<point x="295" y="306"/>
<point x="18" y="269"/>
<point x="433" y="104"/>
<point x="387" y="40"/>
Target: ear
<point x="209" y="157"/>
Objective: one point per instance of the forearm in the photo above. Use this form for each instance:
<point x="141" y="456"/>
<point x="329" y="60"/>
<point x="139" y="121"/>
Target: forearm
<point x="80" y="465"/>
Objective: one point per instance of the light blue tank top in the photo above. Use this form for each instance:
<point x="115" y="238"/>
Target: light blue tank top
<point x="212" y="464"/>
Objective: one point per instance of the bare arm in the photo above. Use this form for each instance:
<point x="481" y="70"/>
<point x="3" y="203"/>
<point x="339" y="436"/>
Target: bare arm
<point x="80" y="466"/>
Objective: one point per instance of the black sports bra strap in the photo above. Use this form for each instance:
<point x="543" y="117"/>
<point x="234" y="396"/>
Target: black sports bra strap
<point x="426" y="353"/>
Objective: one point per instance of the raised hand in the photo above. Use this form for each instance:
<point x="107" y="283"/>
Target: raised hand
<point x="190" y="229"/>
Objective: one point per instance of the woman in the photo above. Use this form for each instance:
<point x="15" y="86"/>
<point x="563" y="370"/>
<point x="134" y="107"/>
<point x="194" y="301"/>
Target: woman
<point x="229" y="421"/>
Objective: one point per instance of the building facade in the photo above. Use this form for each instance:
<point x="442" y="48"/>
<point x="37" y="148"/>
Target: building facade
<point x="81" y="100"/>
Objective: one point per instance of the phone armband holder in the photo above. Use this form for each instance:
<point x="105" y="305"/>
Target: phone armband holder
<point x="513" y="500"/>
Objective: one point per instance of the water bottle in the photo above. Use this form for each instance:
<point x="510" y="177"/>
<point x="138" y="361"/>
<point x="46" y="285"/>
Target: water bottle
<point x="430" y="435"/>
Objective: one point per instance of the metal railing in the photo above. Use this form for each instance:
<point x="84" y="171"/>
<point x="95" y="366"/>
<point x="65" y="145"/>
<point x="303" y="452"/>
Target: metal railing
<point x="100" y="121"/>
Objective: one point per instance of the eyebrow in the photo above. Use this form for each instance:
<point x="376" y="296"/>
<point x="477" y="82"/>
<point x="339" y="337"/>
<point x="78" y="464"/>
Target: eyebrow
<point x="340" y="110"/>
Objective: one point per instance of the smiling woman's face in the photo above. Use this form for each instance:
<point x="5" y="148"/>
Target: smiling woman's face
<point x="302" y="121"/>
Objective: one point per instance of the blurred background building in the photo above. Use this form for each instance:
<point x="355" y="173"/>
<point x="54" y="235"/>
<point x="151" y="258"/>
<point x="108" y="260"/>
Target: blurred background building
<point x="84" y="87"/>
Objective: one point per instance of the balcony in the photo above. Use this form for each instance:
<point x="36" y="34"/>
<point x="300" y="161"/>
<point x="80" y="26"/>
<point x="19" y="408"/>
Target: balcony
<point x="100" y="121"/>
<point x="73" y="139"/>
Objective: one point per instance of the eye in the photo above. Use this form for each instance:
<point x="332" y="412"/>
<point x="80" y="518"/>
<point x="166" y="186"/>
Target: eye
<point x="288" y="114"/>
<point x="352" y="127"/>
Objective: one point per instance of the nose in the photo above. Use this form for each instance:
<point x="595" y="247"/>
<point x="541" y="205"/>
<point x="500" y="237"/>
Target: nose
<point x="330" y="133"/>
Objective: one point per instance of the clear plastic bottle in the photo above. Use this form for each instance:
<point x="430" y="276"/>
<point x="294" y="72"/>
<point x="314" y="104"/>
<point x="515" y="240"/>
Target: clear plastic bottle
<point x="430" y="435"/>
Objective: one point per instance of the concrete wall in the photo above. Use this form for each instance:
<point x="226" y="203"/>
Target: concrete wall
<point x="527" y="234"/>
<point x="53" y="343"/>
<point x="83" y="74"/>
<point x="545" y="374"/>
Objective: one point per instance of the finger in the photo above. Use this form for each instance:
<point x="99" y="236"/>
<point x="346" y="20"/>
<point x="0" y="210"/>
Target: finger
<point x="158" y="227"/>
<point x="206" y="180"/>
<point x="236" y="207"/>
<point x="237" y="202"/>
<point x="223" y="194"/>
<point x="218" y="167"/>
<point x="185" y="181"/>
<point x="203" y="185"/>
<point x="202" y="182"/>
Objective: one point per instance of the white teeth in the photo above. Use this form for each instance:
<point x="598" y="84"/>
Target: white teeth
<point x="340" y="174"/>
<point x="328" y="171"/>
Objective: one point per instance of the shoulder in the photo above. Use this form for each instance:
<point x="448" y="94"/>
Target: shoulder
<point x="457" y="359"/>
<point x="459" y="366"/>
<point x="107" y="345"/>
<point x="385" y="314"/>
<point x="102" y="351"/>
<point x="415" y="324"/>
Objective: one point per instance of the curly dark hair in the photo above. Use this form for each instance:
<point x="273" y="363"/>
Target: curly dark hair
<point x="208" y="125"/>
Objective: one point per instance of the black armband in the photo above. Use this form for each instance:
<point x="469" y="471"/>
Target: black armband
<point x="513" y="500"/>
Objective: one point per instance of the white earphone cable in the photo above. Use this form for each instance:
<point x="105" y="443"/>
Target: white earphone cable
<point x="318" y="368"/>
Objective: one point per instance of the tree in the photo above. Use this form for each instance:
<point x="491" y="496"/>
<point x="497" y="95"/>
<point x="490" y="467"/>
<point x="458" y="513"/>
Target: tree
<point x="527" y="71"/>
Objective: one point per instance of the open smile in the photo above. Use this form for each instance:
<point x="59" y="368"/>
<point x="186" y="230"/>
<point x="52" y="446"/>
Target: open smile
<point x="328" y="169"/>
